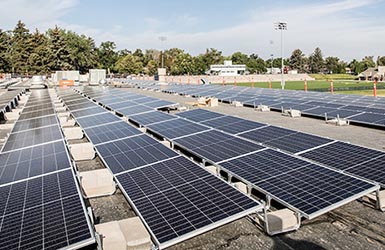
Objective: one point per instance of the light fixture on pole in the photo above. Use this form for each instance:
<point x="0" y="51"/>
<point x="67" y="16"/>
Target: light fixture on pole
<point x="281" y="26"/>
<point x="162" y="39"/>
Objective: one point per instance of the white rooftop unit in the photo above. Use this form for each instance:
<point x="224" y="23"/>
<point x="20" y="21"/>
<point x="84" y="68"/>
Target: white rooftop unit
<point x="68" y="75"/>
<point x="228" y="69"/>
<point x="96" y="75"/>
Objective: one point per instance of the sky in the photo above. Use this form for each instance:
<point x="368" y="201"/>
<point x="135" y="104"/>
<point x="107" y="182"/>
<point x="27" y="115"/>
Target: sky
<point x="344" y="28"/>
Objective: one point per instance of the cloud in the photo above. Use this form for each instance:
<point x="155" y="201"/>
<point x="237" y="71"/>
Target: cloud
<point x="37" y="13"/>
<point x="339" y="28"/>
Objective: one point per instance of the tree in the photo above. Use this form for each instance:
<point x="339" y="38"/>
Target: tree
<point x="183" y="64"/>
<point x="107" y="55"/>
<point x="239" y="58"/>
<point x="59" y="54"/>
<point x="316" y="61"/>
<point x="298" y="61"/>
<point x="367" y="62"/>
<point x="151" y="68"/>
<point x="82" y="52"/>
<point x="356" y="66"/>
<point x="5" y="46"/>
<point x="381" y="61"/>
<point x="139" y="53"/>
<point x="199" y="65"/>
<point x="211" y="57"/>
<point x="255" y="64"/>
<point x="129" y="64"/>
<point x="169" y="57"/>
<point x="151" y="55"/>
<point x="38" y="58"/>
<point x="21" y="48"/>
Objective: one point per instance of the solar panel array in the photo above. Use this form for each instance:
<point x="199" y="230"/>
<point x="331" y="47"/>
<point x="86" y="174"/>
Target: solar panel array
<point x="9" y="100"/>
<point x="358" y="109"/>
<point x="175" y="197"/>
<point x="221" y="147"/>
<point x="353" y="159"/>
<point x="40" y="202"/>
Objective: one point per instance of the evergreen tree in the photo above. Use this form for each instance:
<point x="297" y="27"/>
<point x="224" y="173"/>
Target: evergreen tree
<point x="316" y="61"/>
<point x="5" y="46"/>
<point x="298" y="61"/>
<point x="38" y="59"/>
<point x="59" y="55"/>
<point x="21" y="49"/>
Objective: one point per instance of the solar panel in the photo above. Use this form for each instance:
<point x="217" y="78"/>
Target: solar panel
<point x="30" y="108"/>
<point x="151" y="117"/>
<point x="29" y="162"/>
<point x="199" y="115"/>
<point x="303" y="186"/>
<point x="130" y="153"/>
<point x="83" y="105"/>
<point x="110" y="132"/>
<point x="373" y="170"/>
<point x="121" y="105"/>
<point x="88" y="112"/>
<point x="43" y="213"/>
<point x="32" y="137"/>
<point x="176" y="128"/>
<point x="159" y="104"/>
<point x="233" y="125"/>
<point x="342" y="155"/>
<point x="34" y="123"/>
<point x="134" y="110"/>
<point x="367" y="118"/>
<point x="96" y="120"/>
<point x="177" y="197"/>
<point x="36" y="114"/>
<point x="298" y="142"/>
<point x="267" y="133"/>
<point x="216" y="146"/>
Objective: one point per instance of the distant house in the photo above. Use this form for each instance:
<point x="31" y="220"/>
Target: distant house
<point x="228" y="69"/>
<point x="349" y="71"/>
<point x="372" y="74"/>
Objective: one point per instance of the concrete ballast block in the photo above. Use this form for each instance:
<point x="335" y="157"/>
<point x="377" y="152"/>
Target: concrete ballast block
<point x="82" y="151"/>
<point x="74" y="133"/>
<point x="97" y="183"/>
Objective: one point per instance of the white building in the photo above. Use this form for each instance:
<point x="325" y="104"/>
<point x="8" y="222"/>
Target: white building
<point x="228" y="69"/>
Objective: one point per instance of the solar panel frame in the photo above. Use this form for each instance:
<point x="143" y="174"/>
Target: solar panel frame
<point x="341" y="155"/>
<point x="110" y="132"/>
<point x="215" y="146"/>
<point x="97" y="120"/>
<point x="32" y="138"/>
<point x="42" y="214"/>
<point x="36" y="114"/>
<point x="138" y="109"/>
<point x="34" y="123"/>
<point x="31" y="162"/>
<point x="176" y="128"/>
<point x="182" y="195"/>
<point x="232" y="124"/>
<point x="133" y="152"/>
<point x="199" y="115"/>
<point x="149" y="118"/>
<point x="88" y="112"/>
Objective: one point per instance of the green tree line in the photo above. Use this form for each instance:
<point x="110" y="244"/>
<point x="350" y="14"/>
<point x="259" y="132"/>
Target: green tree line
<point x="27" y="53"/>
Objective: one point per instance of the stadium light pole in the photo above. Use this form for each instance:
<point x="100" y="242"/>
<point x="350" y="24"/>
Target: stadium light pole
<point x="162" y="39"/>
<point x="281" y="26"/>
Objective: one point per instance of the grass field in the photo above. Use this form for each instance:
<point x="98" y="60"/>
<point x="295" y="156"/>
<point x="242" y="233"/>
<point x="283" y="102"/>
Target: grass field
<point x="333" y="77"/>
<point x="380" y="92"/>
<point x="312" y="85"/>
